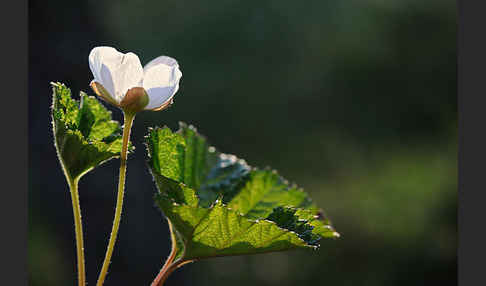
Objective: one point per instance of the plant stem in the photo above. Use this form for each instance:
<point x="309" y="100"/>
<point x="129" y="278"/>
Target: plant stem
<point x="128" y="120"/>
<point x="78" y="225"/>
<point x="164" y="273"/>
<point x="170" y="259"/>
<point x="170" y="265"/>
<point x="78" y="228"/>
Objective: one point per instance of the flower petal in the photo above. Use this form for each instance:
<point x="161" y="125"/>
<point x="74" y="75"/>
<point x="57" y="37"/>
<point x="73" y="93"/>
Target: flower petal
<point x="116" y="71"/>
<point x="161" y="80"/>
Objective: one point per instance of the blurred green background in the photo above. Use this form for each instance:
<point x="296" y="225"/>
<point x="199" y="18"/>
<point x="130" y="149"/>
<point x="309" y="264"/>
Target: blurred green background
<point x="355" y="101"/>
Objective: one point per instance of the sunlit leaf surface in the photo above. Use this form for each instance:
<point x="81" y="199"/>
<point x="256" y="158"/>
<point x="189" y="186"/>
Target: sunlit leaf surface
<point x="84" y="133"/>
<point x="221" y="206"/>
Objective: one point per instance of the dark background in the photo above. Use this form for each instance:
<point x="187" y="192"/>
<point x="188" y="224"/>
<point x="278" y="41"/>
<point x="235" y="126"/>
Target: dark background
<point x="355" y="101"/>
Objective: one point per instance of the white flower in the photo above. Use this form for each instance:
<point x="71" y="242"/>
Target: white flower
<point x="120" y="79"/>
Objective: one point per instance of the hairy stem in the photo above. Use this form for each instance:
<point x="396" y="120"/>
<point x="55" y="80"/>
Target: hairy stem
<point x="78" y="225"/>
<point x="164" y="273"/>
<point x="78" y="228"/>
<point x="170" y="259"/>
<point x="128" y="120"/>
<point x="170" y="265"/>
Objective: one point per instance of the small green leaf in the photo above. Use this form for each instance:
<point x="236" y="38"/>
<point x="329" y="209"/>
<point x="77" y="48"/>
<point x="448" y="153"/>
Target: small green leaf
<point x="218" y="205"/>
<point x="84" y="134"/>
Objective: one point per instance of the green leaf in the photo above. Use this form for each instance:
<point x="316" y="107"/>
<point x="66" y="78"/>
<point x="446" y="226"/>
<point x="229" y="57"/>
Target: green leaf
<point x="84" y="134"/>
<point x="218" y="205"/>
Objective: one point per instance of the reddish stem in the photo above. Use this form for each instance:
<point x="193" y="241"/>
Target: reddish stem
<point x="166" y="271"/>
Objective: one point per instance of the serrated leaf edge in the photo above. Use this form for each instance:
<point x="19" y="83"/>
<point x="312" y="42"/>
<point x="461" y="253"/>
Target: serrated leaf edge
<point x="304" y="243"/>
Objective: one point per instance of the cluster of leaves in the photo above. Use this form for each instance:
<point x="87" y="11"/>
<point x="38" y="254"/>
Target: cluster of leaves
<point x="85" y="136"/>
<point x="218" y="205"/>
